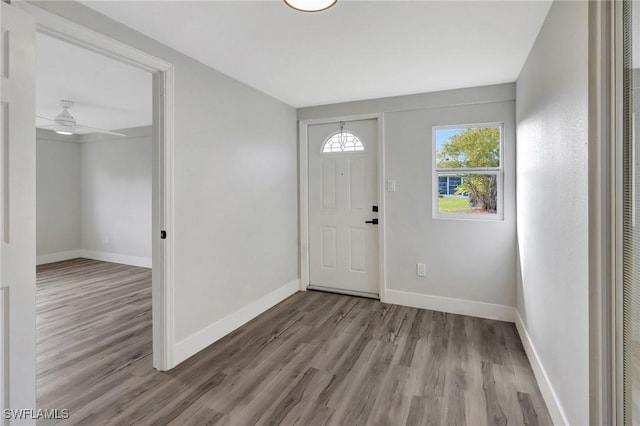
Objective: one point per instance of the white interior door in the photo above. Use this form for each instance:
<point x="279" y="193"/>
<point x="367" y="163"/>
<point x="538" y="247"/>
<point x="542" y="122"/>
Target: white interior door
<point x="343" y="190"/>
<point x="17" y="209"/>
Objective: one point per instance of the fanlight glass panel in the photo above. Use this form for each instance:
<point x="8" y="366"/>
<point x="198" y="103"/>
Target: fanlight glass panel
<point x="343" y="142"/>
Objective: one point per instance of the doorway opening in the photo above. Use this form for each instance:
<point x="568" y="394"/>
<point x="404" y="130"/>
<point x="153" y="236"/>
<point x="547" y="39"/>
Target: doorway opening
<point x="161" y="131"/>
<point x="21" y="21"/>
<point x="94" y="144"/>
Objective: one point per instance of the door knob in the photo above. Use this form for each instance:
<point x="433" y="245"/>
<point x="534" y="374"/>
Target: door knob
<point x="372" y="221"/>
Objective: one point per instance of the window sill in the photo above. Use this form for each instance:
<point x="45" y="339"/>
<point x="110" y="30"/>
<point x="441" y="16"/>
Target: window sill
<point x="476" y="217"/>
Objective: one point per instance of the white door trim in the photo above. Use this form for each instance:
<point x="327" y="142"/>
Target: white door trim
<point x="303" y="176"/>
<point x="163" y="110"/>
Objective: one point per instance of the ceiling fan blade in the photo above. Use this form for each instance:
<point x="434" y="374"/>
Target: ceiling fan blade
<point x="45" y="118"/>
<point x="47" y="127"/>
<point x="55" y="128"/>
<point x="98" y="130"/>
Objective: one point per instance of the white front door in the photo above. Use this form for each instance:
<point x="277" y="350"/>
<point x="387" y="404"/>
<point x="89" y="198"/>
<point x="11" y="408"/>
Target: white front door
<point x="343" y="190"/>
<point x="18" y="209"/>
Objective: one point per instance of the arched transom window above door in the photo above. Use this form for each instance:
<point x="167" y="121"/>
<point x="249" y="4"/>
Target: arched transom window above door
<point x="342" y="141"/>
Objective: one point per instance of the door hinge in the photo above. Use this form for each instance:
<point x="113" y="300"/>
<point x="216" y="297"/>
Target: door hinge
<point x="163" y="235"/>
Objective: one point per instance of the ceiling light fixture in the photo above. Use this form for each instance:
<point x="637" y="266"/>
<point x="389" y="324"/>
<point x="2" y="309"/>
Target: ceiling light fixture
<point x="310" y="5"/>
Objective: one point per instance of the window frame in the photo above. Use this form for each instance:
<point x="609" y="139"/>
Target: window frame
<point x="344" y="130"/>
<point x="496" y="171"/>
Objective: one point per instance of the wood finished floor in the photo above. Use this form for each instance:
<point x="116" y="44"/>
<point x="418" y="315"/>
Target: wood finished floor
<point x="314" y="359"/>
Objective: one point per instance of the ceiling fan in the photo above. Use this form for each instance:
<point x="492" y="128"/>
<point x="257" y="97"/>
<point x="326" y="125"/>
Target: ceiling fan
<point x="65" y="124"/>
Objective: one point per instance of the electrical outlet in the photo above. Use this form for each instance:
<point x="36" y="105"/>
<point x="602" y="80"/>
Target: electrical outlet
<point x="421" y="270"/>
<point x="106" y="239"/>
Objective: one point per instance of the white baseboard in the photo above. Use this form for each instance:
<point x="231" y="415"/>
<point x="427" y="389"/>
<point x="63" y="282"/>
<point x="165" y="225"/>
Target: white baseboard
<point x="450" y="305"/>
<point x="193" y="344"/>
<point x="558" y="416"/>
<point x="144" y="262"/>
<point x="57" y="257"/>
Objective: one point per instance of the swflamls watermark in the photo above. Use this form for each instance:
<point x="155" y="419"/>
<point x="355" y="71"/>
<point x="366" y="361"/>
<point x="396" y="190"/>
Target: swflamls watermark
<point x="35" y="414"/>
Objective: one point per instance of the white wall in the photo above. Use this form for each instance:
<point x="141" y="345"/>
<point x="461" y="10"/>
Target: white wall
<point x="235" y="235"/>
<point x="472" y="262"/>
<point x="116" y="195"/>
<point x="57" y="194"/>
<point x="552" y="293"/>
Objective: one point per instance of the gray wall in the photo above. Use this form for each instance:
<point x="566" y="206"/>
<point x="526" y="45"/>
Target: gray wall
<point x="552" y="293"/>
<point x="93" y="196"/>
<point x="116" y="193"/>
<point x="236" y="221"/>
<point x="57" y="193"/>
<point x="469" y="260"/>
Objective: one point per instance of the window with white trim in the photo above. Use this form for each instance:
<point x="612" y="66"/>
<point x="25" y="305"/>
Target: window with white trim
<point x="467" y="171"/>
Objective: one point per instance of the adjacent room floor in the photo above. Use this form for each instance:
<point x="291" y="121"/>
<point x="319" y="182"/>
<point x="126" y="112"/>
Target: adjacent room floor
<point x="315" y="358"/>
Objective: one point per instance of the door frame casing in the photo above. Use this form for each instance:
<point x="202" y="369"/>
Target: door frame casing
<point x="303" y="179"/>
<point x="162" y="170"/>
<point x="605" y="171"/>
<point x="601" y="165"/>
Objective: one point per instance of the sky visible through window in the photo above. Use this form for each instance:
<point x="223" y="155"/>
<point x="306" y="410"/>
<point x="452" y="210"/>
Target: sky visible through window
<point x="443" y="135"/>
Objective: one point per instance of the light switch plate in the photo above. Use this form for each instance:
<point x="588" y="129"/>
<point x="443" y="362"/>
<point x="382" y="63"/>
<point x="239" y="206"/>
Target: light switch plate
<point x="391" y="185"/>
<point x="421" y="270"/>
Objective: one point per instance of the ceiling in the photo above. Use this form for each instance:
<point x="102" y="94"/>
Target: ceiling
<point x="355" y="50"/>
<point x="108" y="94"/>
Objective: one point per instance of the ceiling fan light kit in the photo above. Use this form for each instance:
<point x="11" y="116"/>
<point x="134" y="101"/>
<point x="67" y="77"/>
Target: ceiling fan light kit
<point x="310" y="5"/>
<point x="63" y="132"/>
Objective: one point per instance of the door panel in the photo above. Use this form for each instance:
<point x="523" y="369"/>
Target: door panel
<point x="17" y="210"/>
<point x="358" y="249"/>
<point x="357" y="184"/>
<point x="343" y="188"/>
<point x="329" y="247"/>
<point x="328" y="183"/>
